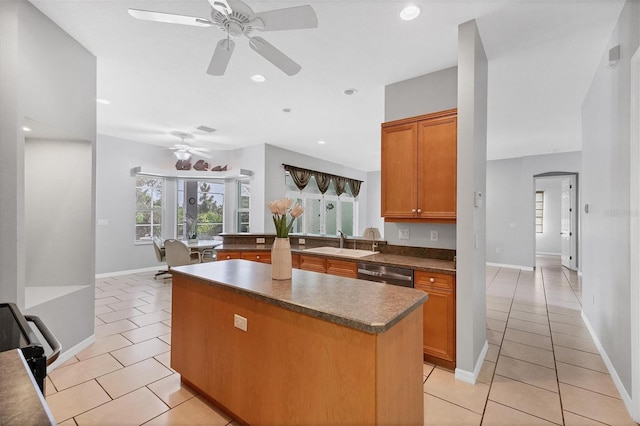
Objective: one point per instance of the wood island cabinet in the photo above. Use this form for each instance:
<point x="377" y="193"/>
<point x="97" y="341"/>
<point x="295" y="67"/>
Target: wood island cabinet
<point x="439" y="317"/>
<point x="419" y="168"/>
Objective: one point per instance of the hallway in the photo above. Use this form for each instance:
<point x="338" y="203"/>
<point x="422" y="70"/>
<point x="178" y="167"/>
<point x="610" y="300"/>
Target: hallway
<point x="542" y="366"/>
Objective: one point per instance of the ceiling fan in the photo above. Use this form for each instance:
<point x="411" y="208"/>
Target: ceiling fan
<point x="236" y="18"/>
<point x="183" y="151"/>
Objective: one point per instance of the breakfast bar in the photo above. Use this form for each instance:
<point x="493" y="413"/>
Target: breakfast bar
<point x="315" y="349"/>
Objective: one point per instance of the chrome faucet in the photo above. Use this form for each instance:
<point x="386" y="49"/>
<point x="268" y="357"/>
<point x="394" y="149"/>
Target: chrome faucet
<point x="343" y="237"/>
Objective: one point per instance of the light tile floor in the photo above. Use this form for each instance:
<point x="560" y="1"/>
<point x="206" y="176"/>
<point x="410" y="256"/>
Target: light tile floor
<point x="541" y="368"/>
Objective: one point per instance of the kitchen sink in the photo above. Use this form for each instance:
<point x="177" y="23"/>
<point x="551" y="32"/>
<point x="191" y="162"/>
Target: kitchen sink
<point x="344" y="252"/>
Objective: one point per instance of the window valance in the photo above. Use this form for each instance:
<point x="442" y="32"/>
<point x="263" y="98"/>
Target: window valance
<point x="301" y="178"/>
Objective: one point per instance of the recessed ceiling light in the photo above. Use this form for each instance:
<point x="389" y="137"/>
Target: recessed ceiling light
<point x="286" y="109"/>
<point x="410" y="13"/>
<point x="258" y="78"/>
<point x="103" y="101"/>
<point x="26" y="129"/>
<point x="322" y="142"/>
<point x="350" y="92"/>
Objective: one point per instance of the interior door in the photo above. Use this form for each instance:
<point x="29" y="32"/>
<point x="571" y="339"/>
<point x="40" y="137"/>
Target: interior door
<point x="568" y="223"/>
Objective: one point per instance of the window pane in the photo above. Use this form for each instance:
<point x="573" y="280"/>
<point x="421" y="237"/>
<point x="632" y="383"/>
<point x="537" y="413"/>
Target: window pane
<point x="331" y="218"/>
<point x="243" y="221"/>
<point x="244" y="195"/>
<point x="143" y="232"/>
<point x="346" y="213"/>
<point x="312" y="212"/>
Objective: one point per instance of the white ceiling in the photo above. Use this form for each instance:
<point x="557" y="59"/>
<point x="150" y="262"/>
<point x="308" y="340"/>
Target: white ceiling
<point x="542" y="57"/>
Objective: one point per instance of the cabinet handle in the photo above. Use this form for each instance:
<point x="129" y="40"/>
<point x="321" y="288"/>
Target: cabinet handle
<point x="228" y="257"/>
<point x="419" y="210"/>
<point x="432" y="280"/>
<point x="257" y="257"/>
<point x="413" y="210"/>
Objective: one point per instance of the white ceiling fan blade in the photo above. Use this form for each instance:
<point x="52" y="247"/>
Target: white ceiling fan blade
<point x="275" y="56"/>
<point x="147" y="15"/>
<point x="290" y="18"/>
<point x="221" y="6"/>
<point x="221" y="56"/>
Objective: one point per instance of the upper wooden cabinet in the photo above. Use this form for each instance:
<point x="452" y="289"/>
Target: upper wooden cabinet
<point x="419" y="168"/>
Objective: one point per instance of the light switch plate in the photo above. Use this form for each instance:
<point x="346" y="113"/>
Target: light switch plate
<point x="240" y="322"/>
<point x="259" y="240"/>
<point x="301" y="241"/>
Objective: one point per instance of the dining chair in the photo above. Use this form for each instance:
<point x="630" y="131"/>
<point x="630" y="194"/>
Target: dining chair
<point x="160" y="256"/>
<point x="178" y="254"/>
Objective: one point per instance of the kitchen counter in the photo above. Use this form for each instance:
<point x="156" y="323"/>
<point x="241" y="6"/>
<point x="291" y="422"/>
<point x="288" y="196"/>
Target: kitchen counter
<point x="315" y="349"/>
<point x="412" y="262"/>
<point x="362" y="305"/>
<point x="21" y="402"/>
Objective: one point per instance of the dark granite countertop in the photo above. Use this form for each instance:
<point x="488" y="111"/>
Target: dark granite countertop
<point x="21" y="402"/>
<point x="415" y="263"/>
<point x="361" y="305"/>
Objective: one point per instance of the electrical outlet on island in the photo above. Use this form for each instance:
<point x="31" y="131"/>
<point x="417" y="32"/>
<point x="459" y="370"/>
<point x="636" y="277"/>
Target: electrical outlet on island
<point x="259" y="240"/>
<point x="301" y="241"/>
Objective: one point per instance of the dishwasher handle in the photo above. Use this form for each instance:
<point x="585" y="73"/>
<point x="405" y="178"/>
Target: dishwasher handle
<point x="391" y="275"/>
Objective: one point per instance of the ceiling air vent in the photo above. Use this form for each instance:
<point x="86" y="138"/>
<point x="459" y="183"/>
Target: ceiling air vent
<point x="206" y="129"/>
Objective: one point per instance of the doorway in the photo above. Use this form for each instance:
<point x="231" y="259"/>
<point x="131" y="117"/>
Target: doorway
<point x="557" y="217"/>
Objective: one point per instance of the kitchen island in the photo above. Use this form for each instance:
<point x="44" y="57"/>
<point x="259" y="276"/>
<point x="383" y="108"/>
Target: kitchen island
<point x="318" y="349"/>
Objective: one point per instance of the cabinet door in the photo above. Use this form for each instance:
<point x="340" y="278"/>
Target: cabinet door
<point x="295" y="261"/>
<point x="312" y="263"/>
<point x="439" y="334"/>
<point x="343" y="268"/>
<point x="257" y="256"/>
<point x="398" y="171"/>
<point x="226" y="255"/>
<point x="437" y="168"/>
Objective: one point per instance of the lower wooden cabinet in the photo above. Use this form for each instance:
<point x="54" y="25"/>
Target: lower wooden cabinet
<point x="439" y="317"/>
<point x="254" y="256"/>
<point x="226" y="255"/>
<point x="343" y="268"/>
<point x="257" y="256"/>
<point x="312" y="263"/>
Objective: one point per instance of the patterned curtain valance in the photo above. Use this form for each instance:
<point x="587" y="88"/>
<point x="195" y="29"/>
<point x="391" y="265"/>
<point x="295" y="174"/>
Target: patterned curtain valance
<point x="301" y="178"/>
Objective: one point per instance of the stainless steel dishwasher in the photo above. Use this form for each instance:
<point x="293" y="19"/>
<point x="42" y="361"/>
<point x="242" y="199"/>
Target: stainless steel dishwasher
<point x="385" y="274"/>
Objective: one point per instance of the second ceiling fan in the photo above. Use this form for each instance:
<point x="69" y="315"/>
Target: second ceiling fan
<point x="236" y="18"/>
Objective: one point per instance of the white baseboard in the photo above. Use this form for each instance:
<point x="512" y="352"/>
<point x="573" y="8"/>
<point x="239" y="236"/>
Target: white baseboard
<point x="626" y="398"/>
<point x="504" y="265"/>
<point x="71" y="352"/>
<point x="545" y="253"/>
<point x="471" y="377"/>
<point x="131" y="271"/>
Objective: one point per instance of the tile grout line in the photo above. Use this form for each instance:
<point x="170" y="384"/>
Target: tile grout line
<point x="553" y="351"/>
<point x="504" y="331"/>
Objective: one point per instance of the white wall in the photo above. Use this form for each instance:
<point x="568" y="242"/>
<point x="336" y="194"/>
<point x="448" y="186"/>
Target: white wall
<point x="433" y="92"/>
<point x="116" y="203"/>
<point x="510" y="201"/>
<point x="48" y="79"/>
<point x="374" y="203"/>
<point x="606" y="182"/>
<point x="548" y="242"/>
<point x="471" y="341"/>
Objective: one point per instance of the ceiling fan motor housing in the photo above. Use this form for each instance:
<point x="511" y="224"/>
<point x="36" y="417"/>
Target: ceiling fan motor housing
<point x="236" y="24"/>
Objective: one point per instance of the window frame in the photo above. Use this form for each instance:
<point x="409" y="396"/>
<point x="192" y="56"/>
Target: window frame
<point x="539" y="212"/>
<point x="161" y="182"/>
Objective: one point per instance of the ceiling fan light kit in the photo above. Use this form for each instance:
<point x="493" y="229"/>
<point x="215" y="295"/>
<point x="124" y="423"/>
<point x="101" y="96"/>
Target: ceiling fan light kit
<point x="237" y="19"/>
